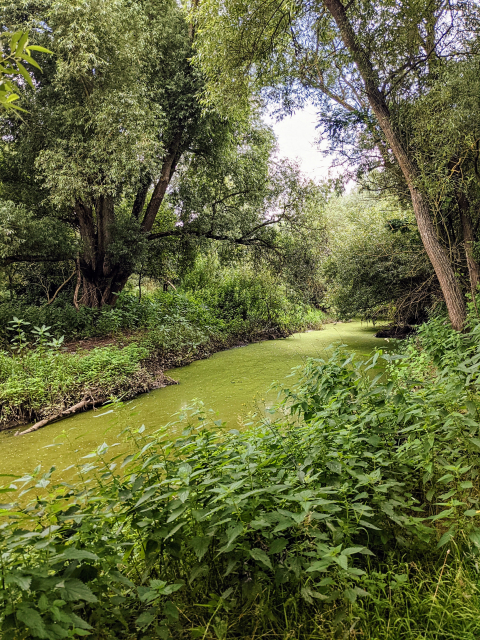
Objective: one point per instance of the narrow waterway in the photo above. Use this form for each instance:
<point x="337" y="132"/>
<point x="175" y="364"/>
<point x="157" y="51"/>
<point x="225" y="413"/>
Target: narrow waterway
<point x="233" y="383"/>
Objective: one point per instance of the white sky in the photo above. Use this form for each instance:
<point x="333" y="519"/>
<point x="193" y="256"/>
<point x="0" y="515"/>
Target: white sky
<point x="296" y="137"/>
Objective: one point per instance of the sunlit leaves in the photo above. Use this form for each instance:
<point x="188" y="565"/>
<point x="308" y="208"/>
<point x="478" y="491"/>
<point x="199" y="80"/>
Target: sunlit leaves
<point x="12" y="67"/>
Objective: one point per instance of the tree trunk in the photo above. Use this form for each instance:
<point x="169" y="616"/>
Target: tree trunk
<point x="469" y="243"/>
<point x="100" y="279"/>
<point x="437" y="254"/>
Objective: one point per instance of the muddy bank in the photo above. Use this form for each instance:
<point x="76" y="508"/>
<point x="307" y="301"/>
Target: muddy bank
<point x="396" y="332"/>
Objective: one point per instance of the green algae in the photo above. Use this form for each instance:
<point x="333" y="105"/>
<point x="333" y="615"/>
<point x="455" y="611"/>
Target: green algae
<point x="233" y="383"/>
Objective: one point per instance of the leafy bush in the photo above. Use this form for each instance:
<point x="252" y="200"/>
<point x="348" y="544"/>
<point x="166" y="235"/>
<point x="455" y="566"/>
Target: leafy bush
<point x="240" y="297"/>
<point x="336" y="517"/>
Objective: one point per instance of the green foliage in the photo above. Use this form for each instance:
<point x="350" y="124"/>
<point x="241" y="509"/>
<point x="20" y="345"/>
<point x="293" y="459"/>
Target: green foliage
<point x="169" y="327"/>
<point x="337" y="517"/>
<point x="12" y="64"/>
<point x="24" y="391"/>
<point x="376" y="267"/>
<point x="247" y="291"/>
<point x="24" y="235"/>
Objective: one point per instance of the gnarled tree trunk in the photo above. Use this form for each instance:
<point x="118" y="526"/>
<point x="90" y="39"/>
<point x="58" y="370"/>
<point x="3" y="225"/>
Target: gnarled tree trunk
<point x="101" y="279"/>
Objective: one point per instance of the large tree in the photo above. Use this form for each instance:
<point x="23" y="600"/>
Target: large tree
<point x="110" y="120"/>
<point x="114" y="121"/>
<point x="363" y="61"/>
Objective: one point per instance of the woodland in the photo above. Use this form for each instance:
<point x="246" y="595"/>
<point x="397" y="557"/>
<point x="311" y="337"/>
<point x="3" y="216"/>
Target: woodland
<point x="147" y="220"/>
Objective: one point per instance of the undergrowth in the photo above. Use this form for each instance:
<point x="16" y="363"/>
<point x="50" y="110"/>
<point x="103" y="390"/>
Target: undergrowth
<point x="38" y="377"/>
<point x="354" y="516"/>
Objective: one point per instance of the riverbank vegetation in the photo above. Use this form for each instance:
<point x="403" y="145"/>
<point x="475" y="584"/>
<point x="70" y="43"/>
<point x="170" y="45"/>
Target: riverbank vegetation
<point x="222" y="307"/>
<point x="146" y="220"/>
<point x="356" y="514"/>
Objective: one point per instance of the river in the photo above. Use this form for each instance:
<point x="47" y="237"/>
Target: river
<point x="233" y="383"/>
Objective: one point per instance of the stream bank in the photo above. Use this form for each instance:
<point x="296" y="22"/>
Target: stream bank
<point x="126" y="366"/>
<point x="232" y="383"/>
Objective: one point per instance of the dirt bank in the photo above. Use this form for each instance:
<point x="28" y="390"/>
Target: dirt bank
<point x="150" y="375"/>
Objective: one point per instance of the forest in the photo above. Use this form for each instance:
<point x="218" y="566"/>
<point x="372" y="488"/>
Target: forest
<point x="237" y="401"/>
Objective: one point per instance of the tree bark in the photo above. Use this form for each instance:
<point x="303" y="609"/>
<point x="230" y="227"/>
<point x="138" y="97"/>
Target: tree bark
<point x="169" y="165"/>
<point x="438" y="256"/>
<point x="468" y="242"/>
<point x="102" y="280"/>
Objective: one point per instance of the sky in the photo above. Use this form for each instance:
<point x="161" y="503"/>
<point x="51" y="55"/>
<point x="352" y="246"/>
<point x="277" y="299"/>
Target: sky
<point x="296" y="140"/>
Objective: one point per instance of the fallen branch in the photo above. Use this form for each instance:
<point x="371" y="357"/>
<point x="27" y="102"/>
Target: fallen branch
<point x="88" y="402"/>
<point x="84" y="404"/>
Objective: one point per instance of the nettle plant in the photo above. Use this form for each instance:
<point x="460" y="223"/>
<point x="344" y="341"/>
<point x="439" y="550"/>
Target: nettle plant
<point x="193" y="535"/>
<point x="41" y="336"/>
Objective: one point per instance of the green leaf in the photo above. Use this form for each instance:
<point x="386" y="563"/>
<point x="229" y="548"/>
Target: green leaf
<point x="119" y="577"/>
<point x="79" y="623"/>
<point x="260" y="556"/>
<point x="278" y="545"/>
<point x="176" y="513"/>
<point x="442" y="514"/>
<point x="76" y="554"/>
<point x="30" y="60"/>
<point x="235" y="532"/>
<point x="447" y="536"/>
<point x="145" y="619"/>
<point x="350" y="595"/>
<point x="351" y="550"/>
<point x="321" y="565"/>
<point x="14" y="40"/>
<point x="475" y="537"/>
<point x="200" y="545"/>
<point x="342" y="561"/>
<point x="25" y="74"/>
<point x="73" y="589"/>
<point x="36" y="47"/>
<point x="22" y="41"/>
<point x="369" y="525"/>
<point x="170" y="610"/>
<point x="33" y="620"/>
<point x="20" y="580"/>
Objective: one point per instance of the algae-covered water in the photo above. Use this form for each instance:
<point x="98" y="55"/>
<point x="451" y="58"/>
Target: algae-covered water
<point x="233" y="383"/>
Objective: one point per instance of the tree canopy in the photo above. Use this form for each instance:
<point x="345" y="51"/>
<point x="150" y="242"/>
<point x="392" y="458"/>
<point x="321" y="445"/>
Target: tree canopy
<point x="365" y="65"/>
<point x="116" y="154"/>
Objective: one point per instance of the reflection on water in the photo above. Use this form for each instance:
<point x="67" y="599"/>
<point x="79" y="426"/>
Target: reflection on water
<point x="233" y="383"/>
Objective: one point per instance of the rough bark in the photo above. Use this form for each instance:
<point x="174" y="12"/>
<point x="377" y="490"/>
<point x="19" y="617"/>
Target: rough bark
<point x="468" y="232"/>
<point x="101" y="279"/>
<point x="436" y="253"/>
<point x="169" y="165"/>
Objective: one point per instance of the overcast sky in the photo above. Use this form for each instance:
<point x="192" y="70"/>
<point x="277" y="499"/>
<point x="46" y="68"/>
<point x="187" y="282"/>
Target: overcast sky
<point x="296" y="140"/>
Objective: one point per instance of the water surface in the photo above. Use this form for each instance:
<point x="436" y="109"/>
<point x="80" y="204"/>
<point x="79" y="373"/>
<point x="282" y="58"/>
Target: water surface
<point x="233" y="383"/>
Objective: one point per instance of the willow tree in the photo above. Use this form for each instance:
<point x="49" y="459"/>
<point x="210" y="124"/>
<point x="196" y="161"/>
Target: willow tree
<point x="114" y="121"/>
<point x="361" y="60"/>
<point x="108" y="123"/>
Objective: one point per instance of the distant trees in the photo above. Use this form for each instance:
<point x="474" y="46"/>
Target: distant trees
<point x="376" y="266"/>
<point x="369" y="66"/>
